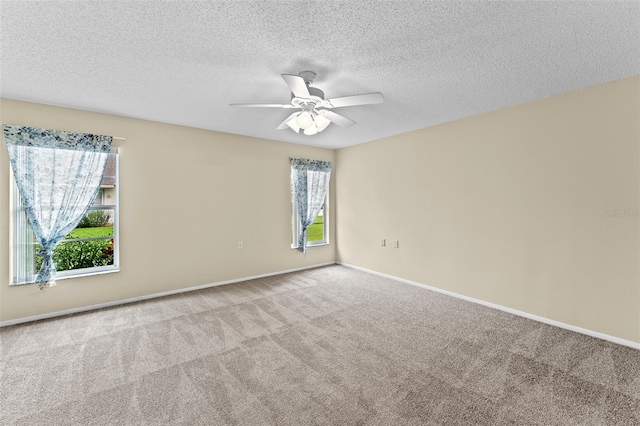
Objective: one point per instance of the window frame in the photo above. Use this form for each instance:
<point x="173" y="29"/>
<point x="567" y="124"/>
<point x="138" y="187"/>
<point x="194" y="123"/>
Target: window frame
<point x="18" y="209"/>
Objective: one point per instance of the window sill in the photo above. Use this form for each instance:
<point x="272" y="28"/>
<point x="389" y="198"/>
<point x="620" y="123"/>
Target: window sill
<point x="66" y="277"/>
<point x="311" y="245"/>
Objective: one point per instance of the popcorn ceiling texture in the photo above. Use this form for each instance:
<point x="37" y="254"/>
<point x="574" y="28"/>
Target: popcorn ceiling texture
<point x="184" y="62"/>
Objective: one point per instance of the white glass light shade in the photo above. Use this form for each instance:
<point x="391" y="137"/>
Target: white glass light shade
<point x="305" y="120"/>
<point x="321" y="122"/>
<point x="293" y="123"/>
<point x="311" y="130"/>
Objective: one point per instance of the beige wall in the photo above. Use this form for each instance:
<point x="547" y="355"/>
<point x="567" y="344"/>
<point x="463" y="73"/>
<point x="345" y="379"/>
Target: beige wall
<point x="217" y="189"/>
<point x="509" y="207"/>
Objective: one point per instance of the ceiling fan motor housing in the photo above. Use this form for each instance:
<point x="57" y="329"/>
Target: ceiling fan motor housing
<point x="316" y="98"/>
<point x="316" y="92"/>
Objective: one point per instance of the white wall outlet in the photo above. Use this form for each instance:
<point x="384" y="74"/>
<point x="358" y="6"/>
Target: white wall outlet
<point x="239" y="244"/>
<point x="396" y="244"/>
<point x="384" y="243"/>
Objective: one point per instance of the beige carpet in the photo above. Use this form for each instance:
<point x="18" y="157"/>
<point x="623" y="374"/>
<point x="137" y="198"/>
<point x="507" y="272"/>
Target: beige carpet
<point x="329" y="346"/>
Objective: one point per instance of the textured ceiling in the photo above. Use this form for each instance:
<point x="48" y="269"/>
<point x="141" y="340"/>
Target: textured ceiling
<point x="184" y="62"/>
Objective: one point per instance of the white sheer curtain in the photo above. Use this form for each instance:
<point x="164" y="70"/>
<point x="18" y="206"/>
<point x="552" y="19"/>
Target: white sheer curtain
<point x="58" y="175"/>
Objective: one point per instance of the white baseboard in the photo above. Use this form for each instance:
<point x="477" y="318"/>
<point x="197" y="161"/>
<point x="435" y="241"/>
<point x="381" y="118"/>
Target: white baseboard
<point x="544" y="320"/>
<point x="150" y="296"/>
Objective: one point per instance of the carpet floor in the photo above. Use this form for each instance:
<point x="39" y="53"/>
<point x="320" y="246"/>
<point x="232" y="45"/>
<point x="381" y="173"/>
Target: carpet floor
<point x="327" y="346"/>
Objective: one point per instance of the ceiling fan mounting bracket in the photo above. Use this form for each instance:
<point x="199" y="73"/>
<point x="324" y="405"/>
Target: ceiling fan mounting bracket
<point x="308" y="76"/>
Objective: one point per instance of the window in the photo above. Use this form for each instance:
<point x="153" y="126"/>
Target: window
<point x="91" y="248"/>
<point x="317" y="233"/>
<point x="309" y="186"/>
<point x="99" y="200"/>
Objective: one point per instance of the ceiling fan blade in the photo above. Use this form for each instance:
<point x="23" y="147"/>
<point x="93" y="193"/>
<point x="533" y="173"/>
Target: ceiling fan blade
<point x="336" y="118"/>
<point x="297" y="85"/>
<point x="284" y="125"/>
<point x="364" y="99"/>
<point x="263" y="105"/>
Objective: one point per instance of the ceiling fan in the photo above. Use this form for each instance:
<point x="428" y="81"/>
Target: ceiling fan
<point x="315" y="111"/>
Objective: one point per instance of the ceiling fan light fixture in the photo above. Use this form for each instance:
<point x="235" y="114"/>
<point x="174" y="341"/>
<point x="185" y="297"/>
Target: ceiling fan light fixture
<point x="305" y="120"/>
<point x="311" y="130"/>
<point x="293" y="124"/>
<point x="321" y="122"/>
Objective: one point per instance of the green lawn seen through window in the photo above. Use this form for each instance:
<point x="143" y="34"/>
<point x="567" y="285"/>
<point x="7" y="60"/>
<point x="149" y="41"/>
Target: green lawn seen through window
<point x="316" y="231"/>
<point x="97" y="232"/>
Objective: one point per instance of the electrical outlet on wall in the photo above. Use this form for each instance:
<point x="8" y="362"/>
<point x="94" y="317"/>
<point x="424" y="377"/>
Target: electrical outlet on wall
<point x="396" y="244"/>
<point x="384" y="243"/>
<point x="239" y="244"/>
